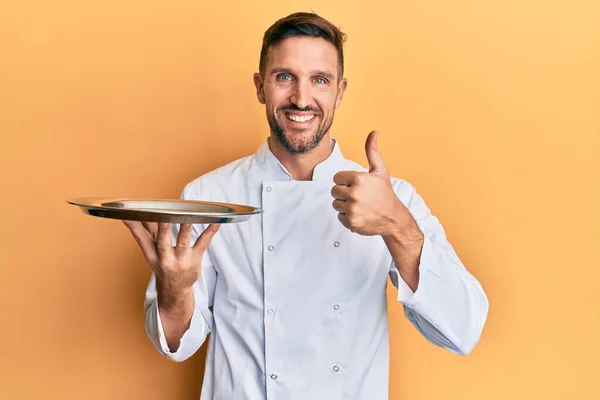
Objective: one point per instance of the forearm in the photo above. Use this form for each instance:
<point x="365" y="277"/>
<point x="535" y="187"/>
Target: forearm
<point x="176" y="308"/>
<point x="405" y="244"/>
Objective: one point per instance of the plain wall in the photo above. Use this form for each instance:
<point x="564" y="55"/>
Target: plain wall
<point x="490" y="109"/>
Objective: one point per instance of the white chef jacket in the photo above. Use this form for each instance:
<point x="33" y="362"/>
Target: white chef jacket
<point x="298" y="301"/>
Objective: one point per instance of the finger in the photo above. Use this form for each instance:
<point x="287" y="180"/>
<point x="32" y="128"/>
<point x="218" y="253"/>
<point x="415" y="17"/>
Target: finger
<point x="344" y="178"/>
<point x="205" y="238"/>
<point x="144" y="240"/>
<point x="151" y="227"/>
<point x="341" y="192"/>
<point x="184" y="239"/>
<point x="136" y="228"/>
<point x="376" y="164"/>
<point x="340" y="206"/>
<point x="344" y="220"/>
<point x="164" y="239"/>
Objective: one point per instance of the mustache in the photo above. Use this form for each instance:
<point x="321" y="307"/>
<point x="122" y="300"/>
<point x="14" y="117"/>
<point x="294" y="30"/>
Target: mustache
<point x="292" y="107"/>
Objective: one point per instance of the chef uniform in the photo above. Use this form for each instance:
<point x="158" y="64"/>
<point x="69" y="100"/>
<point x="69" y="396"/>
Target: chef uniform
<point x="296" y="303"/>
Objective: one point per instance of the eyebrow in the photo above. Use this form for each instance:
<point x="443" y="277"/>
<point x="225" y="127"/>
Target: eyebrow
<point x="280" y="70"/>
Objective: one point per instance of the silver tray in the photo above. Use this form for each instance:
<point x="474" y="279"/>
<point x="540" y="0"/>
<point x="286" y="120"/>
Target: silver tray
<point x="165" y="210"/>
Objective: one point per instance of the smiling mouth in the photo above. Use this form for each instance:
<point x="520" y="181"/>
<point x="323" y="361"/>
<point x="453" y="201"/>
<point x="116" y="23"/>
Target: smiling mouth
<point x="299" y="118"/>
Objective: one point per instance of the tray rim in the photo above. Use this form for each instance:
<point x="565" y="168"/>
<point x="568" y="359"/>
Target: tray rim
<point x="96" y="203"/>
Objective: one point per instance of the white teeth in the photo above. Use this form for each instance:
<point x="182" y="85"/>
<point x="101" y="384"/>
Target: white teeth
<point x="299" y="118"/>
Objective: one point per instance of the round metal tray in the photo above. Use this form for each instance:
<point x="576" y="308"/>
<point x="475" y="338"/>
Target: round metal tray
<point x="165" y="210"/>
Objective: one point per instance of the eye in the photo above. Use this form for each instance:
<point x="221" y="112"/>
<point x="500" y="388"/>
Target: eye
<point x="320" y="81"/>
<point x="284" y="77"/>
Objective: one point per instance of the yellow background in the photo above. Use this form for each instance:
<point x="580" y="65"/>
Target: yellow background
<point x="491" y="109"/>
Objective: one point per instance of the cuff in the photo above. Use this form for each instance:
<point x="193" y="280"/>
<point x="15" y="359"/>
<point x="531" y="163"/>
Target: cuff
<point x="189" y="341"/>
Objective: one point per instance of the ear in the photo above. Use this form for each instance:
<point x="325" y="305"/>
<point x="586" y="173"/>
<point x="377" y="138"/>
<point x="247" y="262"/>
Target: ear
<point x="340" y="92"/>
<point x="260" y="94"/>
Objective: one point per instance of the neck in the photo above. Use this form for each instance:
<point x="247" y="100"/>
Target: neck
<point x="301" y="166"/>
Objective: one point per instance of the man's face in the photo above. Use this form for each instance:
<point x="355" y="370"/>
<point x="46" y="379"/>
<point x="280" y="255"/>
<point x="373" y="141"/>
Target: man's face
<point x="301" y="90"/>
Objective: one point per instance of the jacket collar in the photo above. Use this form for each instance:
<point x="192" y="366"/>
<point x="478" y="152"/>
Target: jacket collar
<point x="324" y="171"/>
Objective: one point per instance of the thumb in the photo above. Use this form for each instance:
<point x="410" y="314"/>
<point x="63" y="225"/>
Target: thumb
<point x="376" y="164"/>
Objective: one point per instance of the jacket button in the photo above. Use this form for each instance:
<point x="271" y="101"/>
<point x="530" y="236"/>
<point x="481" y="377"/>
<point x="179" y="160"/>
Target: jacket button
<point x="337" y="244"/>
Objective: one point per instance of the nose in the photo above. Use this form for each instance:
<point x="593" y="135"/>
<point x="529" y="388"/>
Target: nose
<point x="300" y="95"/>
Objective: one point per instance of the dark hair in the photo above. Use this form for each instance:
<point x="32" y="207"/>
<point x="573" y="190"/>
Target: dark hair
<point x="303" y="24"/>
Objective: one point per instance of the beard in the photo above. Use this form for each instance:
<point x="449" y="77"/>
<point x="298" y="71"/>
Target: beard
<point x="285" y="138"/>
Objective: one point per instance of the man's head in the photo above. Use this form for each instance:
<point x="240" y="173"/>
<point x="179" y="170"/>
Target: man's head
<point x="300" y="79"/>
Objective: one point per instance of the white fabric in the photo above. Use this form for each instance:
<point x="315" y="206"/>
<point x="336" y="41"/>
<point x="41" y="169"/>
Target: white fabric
<point x="299" y="302"/>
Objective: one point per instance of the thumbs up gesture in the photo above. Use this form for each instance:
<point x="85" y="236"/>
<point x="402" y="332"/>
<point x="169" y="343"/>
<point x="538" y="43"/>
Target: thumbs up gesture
<point x="366" y="201"/>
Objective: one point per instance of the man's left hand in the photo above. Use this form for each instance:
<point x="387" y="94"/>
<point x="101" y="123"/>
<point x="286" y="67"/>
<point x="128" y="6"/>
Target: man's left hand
<point x="366" y="201"/>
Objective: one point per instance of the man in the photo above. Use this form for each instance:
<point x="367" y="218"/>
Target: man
<point x="298" y="294"/>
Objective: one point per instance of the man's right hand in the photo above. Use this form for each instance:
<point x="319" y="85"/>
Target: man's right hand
<point x="176" y="268"/>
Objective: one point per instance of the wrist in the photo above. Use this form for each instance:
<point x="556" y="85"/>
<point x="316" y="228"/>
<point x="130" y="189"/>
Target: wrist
<point x="404" y="231"/>
<point x="406" y="239"/>
<point x="173" y="297"/>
